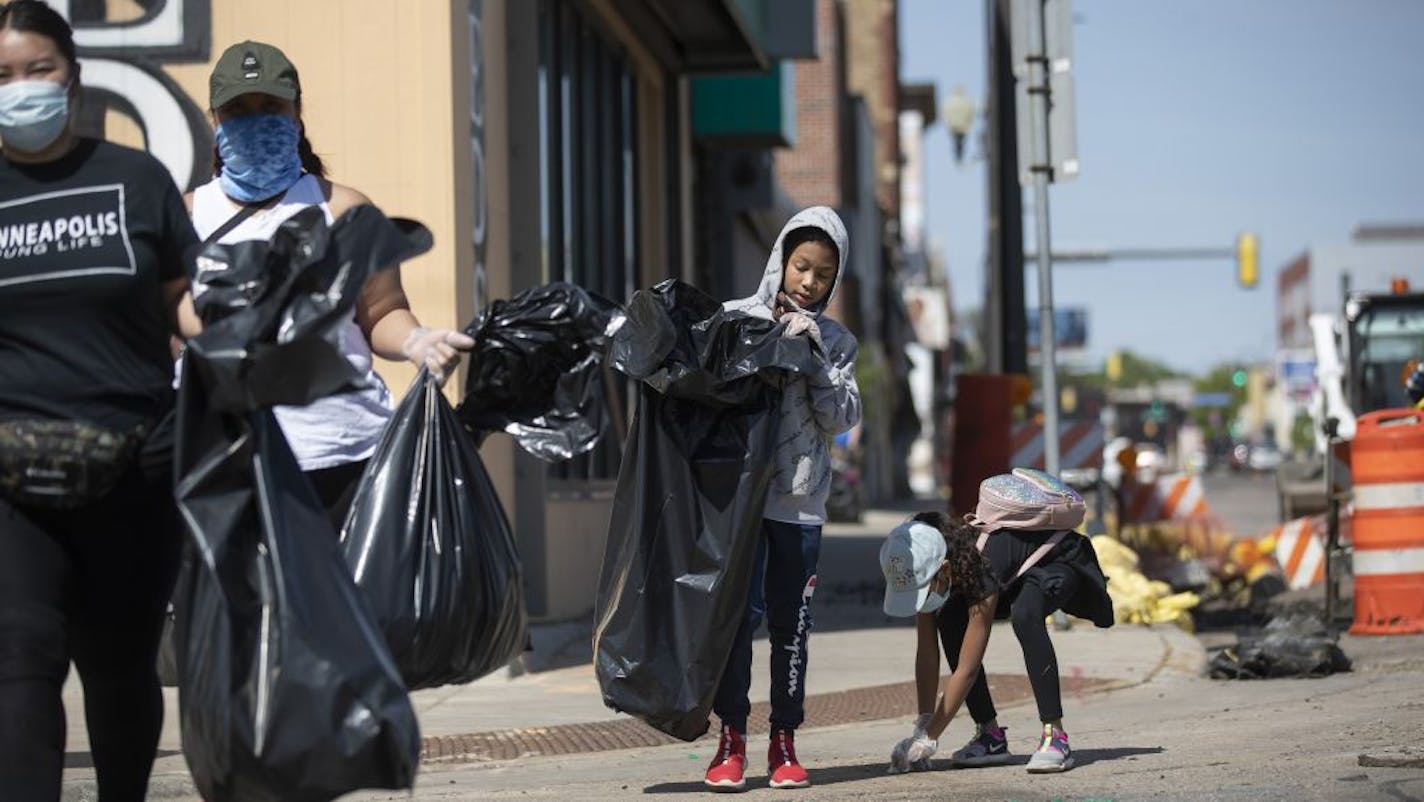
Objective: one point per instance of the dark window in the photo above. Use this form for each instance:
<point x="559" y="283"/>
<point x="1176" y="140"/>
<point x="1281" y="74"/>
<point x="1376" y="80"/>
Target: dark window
<point x="588" y="172"/>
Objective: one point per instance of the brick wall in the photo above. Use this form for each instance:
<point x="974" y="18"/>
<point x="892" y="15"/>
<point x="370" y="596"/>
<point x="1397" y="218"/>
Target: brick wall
<point x="811" y="172"/>
<point x="872" y="71"/>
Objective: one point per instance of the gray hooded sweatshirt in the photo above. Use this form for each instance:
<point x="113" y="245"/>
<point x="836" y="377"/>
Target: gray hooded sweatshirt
<point x="814" y="407"/>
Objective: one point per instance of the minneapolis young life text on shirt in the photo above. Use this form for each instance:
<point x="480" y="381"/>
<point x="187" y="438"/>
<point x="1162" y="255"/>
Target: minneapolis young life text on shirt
<point x="85" y="243"/>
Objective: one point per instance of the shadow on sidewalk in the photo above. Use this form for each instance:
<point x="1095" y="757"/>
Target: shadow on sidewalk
<point x="833" y="775"/>
<point x="1087" y="757"/>
<point x="822" y="776"/>
<point x="85" y="760"/>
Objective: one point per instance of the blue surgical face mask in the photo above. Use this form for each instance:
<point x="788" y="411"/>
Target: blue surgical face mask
<point x="259" y="156"/>
<point x="933" y="600"/>
<point x="33" y="114"/>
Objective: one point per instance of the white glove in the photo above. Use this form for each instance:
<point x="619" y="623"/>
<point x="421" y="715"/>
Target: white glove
<point x="801" y="323"/>
<point x="914" y="752"/>
<point x="436" y="349"/>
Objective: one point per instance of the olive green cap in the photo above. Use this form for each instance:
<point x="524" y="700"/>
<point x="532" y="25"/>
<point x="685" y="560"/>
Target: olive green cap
<point x="248" y="67"/>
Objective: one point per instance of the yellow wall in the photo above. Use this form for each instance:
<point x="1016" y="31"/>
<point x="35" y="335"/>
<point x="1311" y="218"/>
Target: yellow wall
<point x="385" y="101"/>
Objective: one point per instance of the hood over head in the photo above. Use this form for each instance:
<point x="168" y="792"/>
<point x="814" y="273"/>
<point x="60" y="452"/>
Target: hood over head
<point x="824" y="218"/>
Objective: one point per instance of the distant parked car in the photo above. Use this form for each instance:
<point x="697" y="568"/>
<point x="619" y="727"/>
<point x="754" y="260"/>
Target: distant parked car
<point x="1080" y="478"/>
<point x="1264" y="458"/>
<point x="1240" y="457"/>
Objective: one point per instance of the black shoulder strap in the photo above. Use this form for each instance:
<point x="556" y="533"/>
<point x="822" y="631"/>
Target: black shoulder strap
<point x="232" y="222"/>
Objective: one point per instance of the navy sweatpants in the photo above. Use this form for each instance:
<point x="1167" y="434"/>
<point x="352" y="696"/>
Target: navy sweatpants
<point x="783" y="580"/>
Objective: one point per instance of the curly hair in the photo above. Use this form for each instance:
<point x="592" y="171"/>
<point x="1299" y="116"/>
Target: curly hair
<point x="966" y="565"/>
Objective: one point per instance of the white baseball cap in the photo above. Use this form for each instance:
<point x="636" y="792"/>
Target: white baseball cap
<point x="909" y="559"/>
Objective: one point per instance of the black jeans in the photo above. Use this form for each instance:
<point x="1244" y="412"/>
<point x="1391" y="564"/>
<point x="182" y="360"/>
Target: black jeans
<point x="1041" y="591"/>
<point x="783" y="580"/>
<point x="88" y="585"/>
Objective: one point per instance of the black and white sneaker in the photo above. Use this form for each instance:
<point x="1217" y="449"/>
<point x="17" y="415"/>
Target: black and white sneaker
<point x="988" y="747"/>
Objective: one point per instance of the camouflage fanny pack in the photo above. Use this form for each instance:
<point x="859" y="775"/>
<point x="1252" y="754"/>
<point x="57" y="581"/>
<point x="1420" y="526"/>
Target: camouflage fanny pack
<point x="60" y="464"/>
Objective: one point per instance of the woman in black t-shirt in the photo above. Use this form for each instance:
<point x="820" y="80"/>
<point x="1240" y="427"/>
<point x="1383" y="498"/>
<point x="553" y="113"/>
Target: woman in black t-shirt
<point x="1016" y="558"/>
<point x="92" y="237"/>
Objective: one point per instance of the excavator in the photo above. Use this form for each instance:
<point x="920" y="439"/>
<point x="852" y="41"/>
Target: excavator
<point x="1363" y="357"/>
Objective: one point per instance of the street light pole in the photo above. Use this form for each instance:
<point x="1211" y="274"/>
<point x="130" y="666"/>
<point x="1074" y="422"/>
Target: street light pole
<point x="1042" y="168"/>
<point x="959" y="119"/>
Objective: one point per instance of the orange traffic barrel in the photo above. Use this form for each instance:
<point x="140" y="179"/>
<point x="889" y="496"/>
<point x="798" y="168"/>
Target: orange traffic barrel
<point x="1387" y="466"/>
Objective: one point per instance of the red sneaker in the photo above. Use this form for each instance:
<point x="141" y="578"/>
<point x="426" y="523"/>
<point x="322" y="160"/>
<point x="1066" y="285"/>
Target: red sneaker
<point x="729" y="765"/>
<point x="785" y="770"/>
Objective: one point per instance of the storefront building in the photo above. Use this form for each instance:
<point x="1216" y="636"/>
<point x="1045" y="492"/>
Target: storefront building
<point x="539" y="140"/>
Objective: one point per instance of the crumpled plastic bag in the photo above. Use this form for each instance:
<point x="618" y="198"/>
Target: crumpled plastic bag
<point x="429" y="544"/>
<point x="1288" y="646"/>
<point x="271" y="309"/>
<point x="687" y="511"/>
<point x="536" y="370"/>
<point x="286" y="689"/>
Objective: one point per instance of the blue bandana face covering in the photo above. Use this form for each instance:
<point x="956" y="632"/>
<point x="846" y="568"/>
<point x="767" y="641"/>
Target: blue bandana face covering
<point x="259" y="156"/>
<point x="33" y="114"/>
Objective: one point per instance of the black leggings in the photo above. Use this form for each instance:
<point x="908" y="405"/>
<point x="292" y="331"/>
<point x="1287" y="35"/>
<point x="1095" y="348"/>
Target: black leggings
<point x="88" y="585"/>
<point x="1041" y="591"/>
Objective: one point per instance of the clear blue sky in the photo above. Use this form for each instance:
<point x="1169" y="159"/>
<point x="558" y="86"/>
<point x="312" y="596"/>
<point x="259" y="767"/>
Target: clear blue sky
<point x="1296" y="119"/>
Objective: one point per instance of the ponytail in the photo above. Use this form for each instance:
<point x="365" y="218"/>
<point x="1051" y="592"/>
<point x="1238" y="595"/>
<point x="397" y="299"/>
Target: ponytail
<point x="310" y="161"/>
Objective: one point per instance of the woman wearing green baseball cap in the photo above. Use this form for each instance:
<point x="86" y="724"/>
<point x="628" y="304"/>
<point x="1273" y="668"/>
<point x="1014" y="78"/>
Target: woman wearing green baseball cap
<point x="265" y="171"/>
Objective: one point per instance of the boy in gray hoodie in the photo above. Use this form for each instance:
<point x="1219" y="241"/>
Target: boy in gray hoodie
<point x="802" y="274"/>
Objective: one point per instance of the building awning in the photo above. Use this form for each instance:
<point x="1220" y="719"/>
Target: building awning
<point x="699" y="36"/>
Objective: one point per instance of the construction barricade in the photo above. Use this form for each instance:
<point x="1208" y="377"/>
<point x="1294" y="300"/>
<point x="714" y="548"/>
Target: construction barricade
<point x="1299" y="549"/>
<point x="1080" y="445"/>
<point x="1387" y="466"/>
<point x="1178" y="497"/>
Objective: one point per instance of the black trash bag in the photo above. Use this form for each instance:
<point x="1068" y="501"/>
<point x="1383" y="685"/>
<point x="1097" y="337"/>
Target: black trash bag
<point x="167" y="662"/>
<point x="536" y="369"/>
<point x="688" y="508"/>
<point x="286" y="689"/>
<point x="1292" y="646"/>
<point x="681" y="342"/>
<point x="272" y="310"/>
<point x="429" y="543"/>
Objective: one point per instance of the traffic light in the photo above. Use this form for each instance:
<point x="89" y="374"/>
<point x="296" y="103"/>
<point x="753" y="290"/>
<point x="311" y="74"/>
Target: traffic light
<point x="1247" y="268"/>
<point x="1113" y="369"/>
<point x="1238" y="379"/>
<point x="1157" y="412"/>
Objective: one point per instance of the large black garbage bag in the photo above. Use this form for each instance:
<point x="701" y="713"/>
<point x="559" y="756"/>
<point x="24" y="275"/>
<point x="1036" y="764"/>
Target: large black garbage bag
<point x="1288" y="646"/>
<point x="286" y="689"/>
<point x="428" y="542"/>
<point x="536" y="369"/>
<point x="272" y="310"/>
<point x="687" y="511"/>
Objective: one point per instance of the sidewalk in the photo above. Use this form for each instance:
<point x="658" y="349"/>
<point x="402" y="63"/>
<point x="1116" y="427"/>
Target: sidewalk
<point x="855" y="652"/>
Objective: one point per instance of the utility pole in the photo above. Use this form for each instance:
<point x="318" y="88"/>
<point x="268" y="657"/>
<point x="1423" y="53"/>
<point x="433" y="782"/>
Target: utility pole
<point x="1042" y="36"/>
<point x="1041" y="166"/>
<point x="1005" y="320"/>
